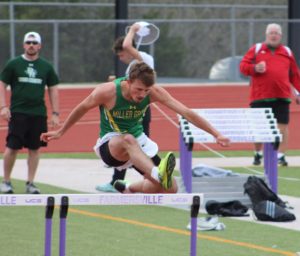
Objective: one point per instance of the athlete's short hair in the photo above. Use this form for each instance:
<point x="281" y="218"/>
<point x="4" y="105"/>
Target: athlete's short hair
<point x="118" y="44"/>
<point x="142" y="72"/>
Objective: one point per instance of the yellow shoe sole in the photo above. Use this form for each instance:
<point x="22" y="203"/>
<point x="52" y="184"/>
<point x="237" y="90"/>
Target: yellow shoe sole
<point x="167" y="167"/>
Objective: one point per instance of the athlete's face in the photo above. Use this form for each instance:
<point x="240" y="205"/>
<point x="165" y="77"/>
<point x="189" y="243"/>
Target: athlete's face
<point x="273" y="37"/>
<point x="137" y="90"/>
<point x="124" y="56"/>
<point x="31" y="47"/>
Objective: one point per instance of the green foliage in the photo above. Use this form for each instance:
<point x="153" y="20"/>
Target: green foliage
<point x="170" y="52"/>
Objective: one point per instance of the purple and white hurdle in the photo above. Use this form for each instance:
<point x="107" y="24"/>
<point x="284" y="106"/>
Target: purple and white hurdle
<point x="241" y="125"/>
<point x="65" y="200"/>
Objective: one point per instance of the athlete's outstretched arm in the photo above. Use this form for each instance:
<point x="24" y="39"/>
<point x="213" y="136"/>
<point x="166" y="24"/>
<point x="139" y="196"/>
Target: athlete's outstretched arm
<point x="159" y="94"/>
<point x="98" y="97"/>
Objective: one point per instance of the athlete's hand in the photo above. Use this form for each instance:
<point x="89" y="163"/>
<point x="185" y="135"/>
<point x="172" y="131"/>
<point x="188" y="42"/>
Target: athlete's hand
<point x="52" y="135"/>
<point x="223" y="141"/>
<point x="135" y="27"/>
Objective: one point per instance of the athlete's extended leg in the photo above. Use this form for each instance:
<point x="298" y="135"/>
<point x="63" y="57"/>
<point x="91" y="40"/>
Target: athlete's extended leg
<point x="124" y="148"/>
<point x="146" y="185"/>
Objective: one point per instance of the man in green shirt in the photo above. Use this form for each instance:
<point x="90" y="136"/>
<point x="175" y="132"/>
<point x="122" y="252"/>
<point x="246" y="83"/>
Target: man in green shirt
<point x="122" y="142"/>
<point x="27" y="75"/>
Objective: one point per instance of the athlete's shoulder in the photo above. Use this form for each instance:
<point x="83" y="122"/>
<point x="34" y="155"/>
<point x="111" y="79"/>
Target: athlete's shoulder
<point x="105" y="89"/>
<point x="104" y="93"/>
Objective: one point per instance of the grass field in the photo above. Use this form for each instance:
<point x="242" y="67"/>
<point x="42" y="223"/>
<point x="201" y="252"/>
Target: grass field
<point x="141" y="230"/>
<point x="136" y="231"/>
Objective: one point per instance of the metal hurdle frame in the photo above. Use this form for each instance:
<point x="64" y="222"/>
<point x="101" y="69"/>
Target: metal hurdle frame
<point x="64" y="201"/>
<point x="272" y="140"/>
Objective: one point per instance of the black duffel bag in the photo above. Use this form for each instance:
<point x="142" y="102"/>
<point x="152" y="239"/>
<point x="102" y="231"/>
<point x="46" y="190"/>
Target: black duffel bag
<point x="226" y="209"/>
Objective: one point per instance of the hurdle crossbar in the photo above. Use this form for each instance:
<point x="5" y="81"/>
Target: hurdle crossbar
<point x="267" y="138"/>
<point x="217" y="121"/>
<point x="99" y="199"/>
<point x="234" y="111"/>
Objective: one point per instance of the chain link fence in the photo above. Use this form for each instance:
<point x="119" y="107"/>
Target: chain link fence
<point x="77" y="38"/>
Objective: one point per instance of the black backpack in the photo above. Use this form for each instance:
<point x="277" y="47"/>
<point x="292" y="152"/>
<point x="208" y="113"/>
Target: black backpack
<point x="226" y="209"/>
<point x="269" y="211"/>
<point x="267" y="206"/>
<point x="258" y="191"/>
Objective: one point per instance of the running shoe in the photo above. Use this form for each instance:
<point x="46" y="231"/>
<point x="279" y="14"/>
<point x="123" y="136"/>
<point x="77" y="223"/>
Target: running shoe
<point x="166" y="168"/>
<point x="282" y="161"/>
<point x="6" y="187"/>
<point x="106" y="188"/>
<point x="257" y="159"/>
<point x="31" y="188"/>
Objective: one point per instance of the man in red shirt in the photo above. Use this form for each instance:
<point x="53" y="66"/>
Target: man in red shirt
<point x="272" y="68"/>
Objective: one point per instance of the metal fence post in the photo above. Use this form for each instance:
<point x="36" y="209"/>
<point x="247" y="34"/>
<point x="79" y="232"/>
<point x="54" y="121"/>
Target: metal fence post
<point x="12" y="30"/>
<point x="56" y="46"/>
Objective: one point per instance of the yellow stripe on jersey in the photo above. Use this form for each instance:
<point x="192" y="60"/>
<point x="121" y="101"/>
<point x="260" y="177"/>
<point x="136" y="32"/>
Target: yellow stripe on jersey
<point x="112" y="122"/>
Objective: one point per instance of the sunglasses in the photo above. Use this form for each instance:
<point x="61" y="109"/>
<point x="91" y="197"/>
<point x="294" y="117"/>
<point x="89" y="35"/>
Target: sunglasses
<point x="31" y="42"/>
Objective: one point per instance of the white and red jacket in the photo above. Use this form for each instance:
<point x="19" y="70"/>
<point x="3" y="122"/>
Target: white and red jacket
<point x="281" y="72"/>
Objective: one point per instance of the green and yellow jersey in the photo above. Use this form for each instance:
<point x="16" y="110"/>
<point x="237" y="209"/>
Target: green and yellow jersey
<point x="125" y="116"/>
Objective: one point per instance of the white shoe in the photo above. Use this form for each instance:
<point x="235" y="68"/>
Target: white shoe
<point x="6" y="187"/>
<point x="31" y="188"/>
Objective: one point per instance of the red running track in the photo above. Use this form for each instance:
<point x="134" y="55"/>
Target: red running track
<point x="82" y="136"/>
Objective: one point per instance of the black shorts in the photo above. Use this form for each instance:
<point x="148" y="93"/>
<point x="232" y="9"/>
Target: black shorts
<point x="280" y="108"/>
<point x="146" y="121"/>
<point x="107" y="157"/>
<point x="24" y="131"/>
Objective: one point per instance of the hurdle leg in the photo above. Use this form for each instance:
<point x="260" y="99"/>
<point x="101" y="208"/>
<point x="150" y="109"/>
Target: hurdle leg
<point x="62" y="226"/>
<point x="194" y="215"/>
<point x="185" y="164"/>
<point x="271" y="168"/>
<point x="48" y="225"/>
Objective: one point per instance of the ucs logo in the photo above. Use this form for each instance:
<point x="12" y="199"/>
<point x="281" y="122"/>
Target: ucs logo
<point x="33" y="201"/>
